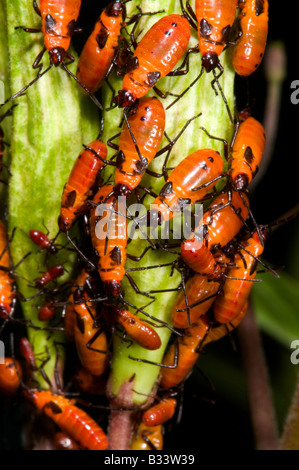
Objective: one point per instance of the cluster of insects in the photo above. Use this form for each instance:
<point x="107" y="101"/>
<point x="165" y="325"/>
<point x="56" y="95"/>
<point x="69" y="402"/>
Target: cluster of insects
<point x="217" y="262"/>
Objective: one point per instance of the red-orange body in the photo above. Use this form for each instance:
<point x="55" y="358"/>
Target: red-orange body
<point x="49" y="276"/>
<point x="138" y="330"/>
<point x="219" y="229"/>
<point x="147" y="126"/>
<point x="58" y="23"/>
<point x="88" y="335"/>
<point x="184" y="185"/>
<point x="10" y="374"/>
<point x="157" y="53"/>
<point x="46" y="312"/>
<point x="247" y="152"/>
<point x="250" y="47"/>
<point x="99" y="49"/>
<point x="69" y="315"/>
<point x="159" y="413"/>
<point x="198" y="289"/>
<point x="27" y="353"/>
<point x="81" y="180"/>
<point x="71" y="419"/>
<point x="43" y="241"/>
<point x="236" y="291"/>
<point x="187" y="355"/>
<point x="109" y="238"/>
<point x="147" y="438"/>
<point x="215" y="19"/>
<point x="6" y="283"/>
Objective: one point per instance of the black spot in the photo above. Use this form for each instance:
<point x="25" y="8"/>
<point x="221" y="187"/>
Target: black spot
<point x="80" y="324"/>
<point x="71" y="27"/>
<point x="147" y="108"/>
<point x="133" y="64"/>
<point x="54" y="407"/>
<point x="211" y="159"/>
<point x="174" y="25"/>
<point x="205" y="28"/>
<point x="115" y="255"/>
<point x="153" y="78"/>
<point x="203" y="166"/>
<point x="248" y="155"/>
<point x="253" y="267"/>
<point x="225" y="33"/>
<point x="259" y="7"/>
<point x="114" y="9"/>
<point x="70" y="199"/>
<point x="167" y="33"/>
<point x="143" y="118"/>
<point x="167" y="189"/>
<point x="121" y="158"/>
<point x="50" y="24"/>
<point x="141" y="166"/>
<point x="102" y="38"/>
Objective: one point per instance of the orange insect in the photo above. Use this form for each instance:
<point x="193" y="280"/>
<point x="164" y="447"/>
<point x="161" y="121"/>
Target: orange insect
<point x="148" y="438"/>
<point x="247" y="152"/>
<point x="188" y="346"/>
<point x="156" y="54"/>
<point x="215" y="19"/>
<point x="138" y="330"/>
<point x="250" y="47"/>
<point x="72" y="420"/>
<point x="200" y="294"/>
<point x="236" y="291"/>
<point x="81" y="180"/>
<point x="160" y="413"/>
<point x="10" y="376"/>
<point x="139" y="141"/>
<point x="218" y="332"/>
<point x="109" y="238"/>
<point x="189" y="182"/>
<point x="58" y="25"/>
<point x="220" y="224"/>
<point x="7" y="295"/>
<point x="100" y="48"/>
<point x="90" y="339"/>
<point x="69" y="313"/>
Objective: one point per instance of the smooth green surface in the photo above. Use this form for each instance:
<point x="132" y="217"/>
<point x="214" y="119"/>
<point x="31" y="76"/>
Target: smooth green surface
<point x="50" y="124"/>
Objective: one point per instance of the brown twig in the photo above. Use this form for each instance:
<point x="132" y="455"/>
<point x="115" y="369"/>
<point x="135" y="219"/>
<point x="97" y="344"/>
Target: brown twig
<point x="290" y="436"/>
<point x="260" y="399"/>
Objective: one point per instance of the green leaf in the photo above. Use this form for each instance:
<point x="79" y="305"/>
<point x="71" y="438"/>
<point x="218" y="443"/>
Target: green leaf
<point x="50" y="124"/>
<point x="276" y="304"/>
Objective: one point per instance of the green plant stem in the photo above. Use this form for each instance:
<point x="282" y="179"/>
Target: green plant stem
<point x="50" y="124"/>
<point x="200" y="98"/>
